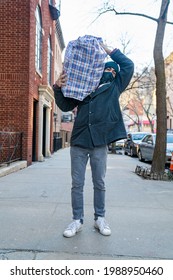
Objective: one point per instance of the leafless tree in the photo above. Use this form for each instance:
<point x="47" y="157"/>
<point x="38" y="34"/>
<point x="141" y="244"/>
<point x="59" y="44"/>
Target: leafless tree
<point x="125" y="42"/>
<point x="138" y="98"/>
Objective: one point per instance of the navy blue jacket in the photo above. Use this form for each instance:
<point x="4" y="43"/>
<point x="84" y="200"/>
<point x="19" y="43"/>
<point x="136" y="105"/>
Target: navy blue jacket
<point x="99" y="120"/>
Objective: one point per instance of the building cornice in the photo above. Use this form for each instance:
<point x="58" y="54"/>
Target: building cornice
<point x="47" y="92"/>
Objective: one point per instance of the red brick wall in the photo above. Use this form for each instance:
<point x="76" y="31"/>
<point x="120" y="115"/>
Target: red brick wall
<point x="18" y="78"/>
<point x="14" y="66"/>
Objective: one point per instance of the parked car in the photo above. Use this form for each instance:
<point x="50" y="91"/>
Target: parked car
<point x="147" y="145"/>
<point x="118" y="145"/>
<point x="132" y="142"/>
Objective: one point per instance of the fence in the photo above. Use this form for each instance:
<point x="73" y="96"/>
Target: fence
<point x="10" y="147"/>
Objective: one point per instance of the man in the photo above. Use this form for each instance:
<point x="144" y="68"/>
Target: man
<point x="98" y="123"/>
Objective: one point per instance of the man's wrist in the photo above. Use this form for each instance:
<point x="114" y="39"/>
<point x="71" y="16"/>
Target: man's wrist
<point x="113" y="51"/>
<point x="55" y="86"/>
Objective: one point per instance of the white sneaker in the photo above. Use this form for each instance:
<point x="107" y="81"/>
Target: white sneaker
<point x="73" y="228"/>
<point x="102" y="226"/>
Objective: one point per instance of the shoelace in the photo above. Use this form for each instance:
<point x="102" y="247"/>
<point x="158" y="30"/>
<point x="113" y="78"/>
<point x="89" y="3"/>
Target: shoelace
<point x="72" y="226"/>
<point x="104" y="225"/>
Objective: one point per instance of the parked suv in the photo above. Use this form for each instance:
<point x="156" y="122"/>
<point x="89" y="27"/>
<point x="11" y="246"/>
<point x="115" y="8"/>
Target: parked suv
<point x="132" y="142"/>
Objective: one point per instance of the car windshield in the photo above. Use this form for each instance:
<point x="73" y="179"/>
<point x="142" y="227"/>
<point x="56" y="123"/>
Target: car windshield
<point x="170" y="138"/>
<point x="138" y="136"/>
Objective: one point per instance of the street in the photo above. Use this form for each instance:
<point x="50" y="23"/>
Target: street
<point x="35" y="208"/>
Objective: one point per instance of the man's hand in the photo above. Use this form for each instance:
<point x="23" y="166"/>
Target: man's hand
<point x="62" y="80"/>
<point x="107" y="50"/>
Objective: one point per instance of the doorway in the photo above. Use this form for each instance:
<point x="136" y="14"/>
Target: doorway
<point x="44" y="131"/>
<point x="34" y="132"/>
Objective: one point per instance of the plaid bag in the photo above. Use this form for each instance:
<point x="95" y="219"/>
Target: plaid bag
<point x="84" y="65"/>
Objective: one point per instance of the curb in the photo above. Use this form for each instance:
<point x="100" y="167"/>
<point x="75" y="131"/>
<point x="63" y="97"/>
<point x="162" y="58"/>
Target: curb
<point x="13" y="167"/>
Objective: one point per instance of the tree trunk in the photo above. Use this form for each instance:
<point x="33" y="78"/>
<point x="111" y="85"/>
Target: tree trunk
<point x="158" y="164"/>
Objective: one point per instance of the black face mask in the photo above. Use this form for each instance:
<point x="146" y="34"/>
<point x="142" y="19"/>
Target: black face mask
<point x="106" y="78"/>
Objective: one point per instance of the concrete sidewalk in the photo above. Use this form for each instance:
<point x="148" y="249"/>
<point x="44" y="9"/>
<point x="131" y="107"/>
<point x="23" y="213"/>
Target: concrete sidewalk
<point x="35" y="208"/>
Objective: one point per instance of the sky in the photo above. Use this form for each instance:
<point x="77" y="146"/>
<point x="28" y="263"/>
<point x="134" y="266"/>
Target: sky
<point x="80" y="17"/>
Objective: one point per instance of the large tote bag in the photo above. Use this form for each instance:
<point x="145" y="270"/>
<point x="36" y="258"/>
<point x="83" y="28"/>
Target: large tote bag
<point x="84" y="66"/>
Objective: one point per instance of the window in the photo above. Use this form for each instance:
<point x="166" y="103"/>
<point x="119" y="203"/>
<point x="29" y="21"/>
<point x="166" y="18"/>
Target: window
<point x="67" y="117"/>
<point x="137" y="136"/>
<point x="38" y="41"/>
<point x="150" y="139"/>
<point x="49" y="61"/>
<point x="169" y="138"/>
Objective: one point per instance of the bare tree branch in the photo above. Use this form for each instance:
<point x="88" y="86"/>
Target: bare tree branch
<point x="111" y="9"/>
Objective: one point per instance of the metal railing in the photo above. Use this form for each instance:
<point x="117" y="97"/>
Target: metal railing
<point x="10" y="147"/>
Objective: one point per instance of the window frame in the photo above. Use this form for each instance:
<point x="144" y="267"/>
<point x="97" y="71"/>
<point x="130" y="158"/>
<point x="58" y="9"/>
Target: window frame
<point x="49" y="61"/>
<point x="38" y="40"/>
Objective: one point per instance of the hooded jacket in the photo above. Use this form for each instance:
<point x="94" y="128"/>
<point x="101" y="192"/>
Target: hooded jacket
<point x="99" y="120"/>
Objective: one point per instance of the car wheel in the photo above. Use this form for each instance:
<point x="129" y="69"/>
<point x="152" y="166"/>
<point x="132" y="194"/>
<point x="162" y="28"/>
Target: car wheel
<point x="140" y="156"/>
<point x="125" y="153"/>
<point x="131" y="152"/>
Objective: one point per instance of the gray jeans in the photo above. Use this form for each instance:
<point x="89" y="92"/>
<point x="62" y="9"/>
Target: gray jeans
<point x="98" y="163"/>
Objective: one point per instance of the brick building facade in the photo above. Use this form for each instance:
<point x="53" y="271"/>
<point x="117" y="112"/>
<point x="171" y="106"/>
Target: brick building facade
<point x="27" y="47"/>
